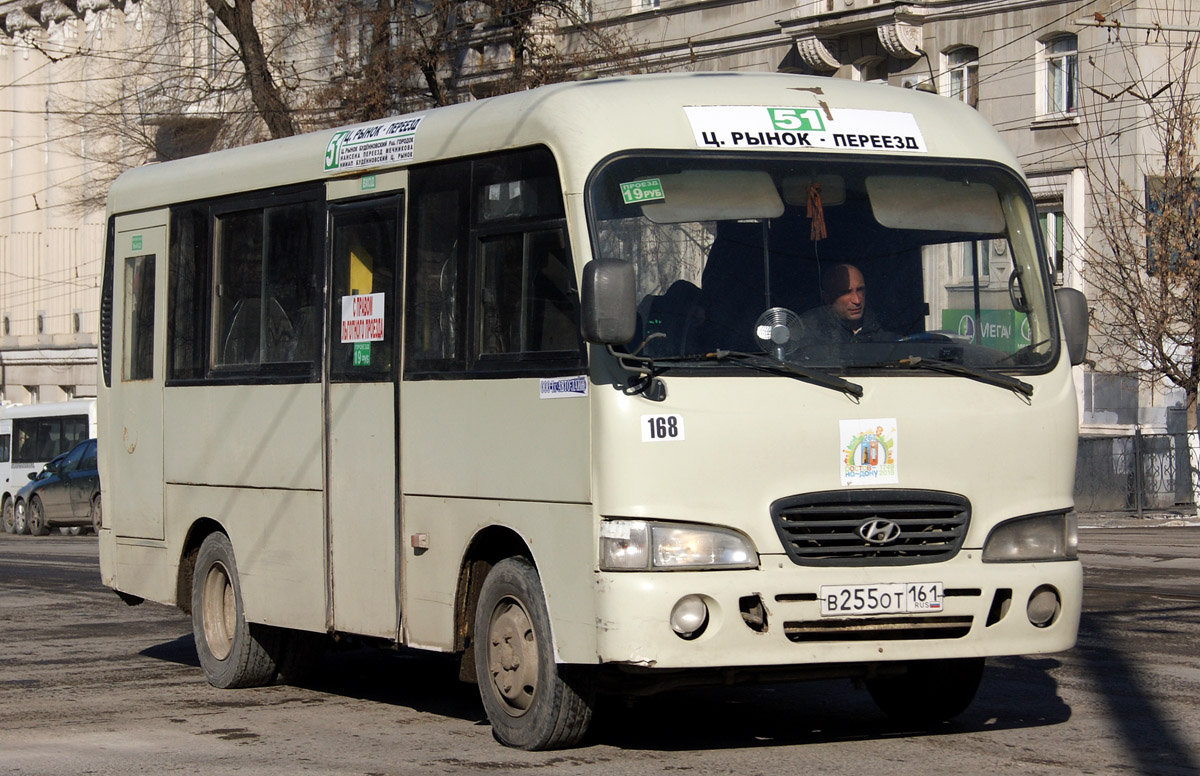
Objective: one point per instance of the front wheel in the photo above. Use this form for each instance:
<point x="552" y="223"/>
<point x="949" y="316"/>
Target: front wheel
<point x="36" y="517"/>
<point x="10" y="516"/>
<point x="931" y="691"/>
<point x="532" y="702"/>
<point x="232" y="652"/>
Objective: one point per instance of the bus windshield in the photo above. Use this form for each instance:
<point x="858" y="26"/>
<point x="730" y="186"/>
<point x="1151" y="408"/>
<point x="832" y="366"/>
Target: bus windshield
<point x="838" y="264"/>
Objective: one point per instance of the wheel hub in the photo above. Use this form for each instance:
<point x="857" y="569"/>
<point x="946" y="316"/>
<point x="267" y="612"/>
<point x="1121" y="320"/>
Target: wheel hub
<point x="512" y="656"/>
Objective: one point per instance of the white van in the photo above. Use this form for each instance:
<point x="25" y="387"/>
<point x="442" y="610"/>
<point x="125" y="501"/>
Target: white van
<point x="30" y="435"/>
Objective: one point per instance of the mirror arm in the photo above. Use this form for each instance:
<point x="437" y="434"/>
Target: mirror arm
<point x="643" y="380"/>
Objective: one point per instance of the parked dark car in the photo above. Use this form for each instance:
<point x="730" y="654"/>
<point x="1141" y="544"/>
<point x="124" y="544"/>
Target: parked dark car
<point x="64" y="494"/>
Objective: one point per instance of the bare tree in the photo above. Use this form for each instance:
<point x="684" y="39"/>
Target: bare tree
<point x="188" y="76"/>
<point x="1143" y="263"/>
<point x="398" y="55"/>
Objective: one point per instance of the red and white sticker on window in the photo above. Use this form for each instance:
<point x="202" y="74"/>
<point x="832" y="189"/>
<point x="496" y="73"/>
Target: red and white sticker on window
<point x="362" y="318"/>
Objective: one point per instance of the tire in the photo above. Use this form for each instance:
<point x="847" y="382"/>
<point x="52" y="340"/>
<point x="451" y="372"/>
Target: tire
<point x="10" y="516"/>
<point x="931" y="691"/>
<point x="35" y="517"/>
<point x="232" y="652"/>
<point x="20" y="524"/>
<point x="97" y="515"/>
<point x="532" y="702"/>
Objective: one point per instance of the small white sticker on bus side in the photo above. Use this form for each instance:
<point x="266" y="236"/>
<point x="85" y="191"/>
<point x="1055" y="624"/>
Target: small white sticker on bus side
<point x="662" y="428"/>
<point x="563" y="387"/>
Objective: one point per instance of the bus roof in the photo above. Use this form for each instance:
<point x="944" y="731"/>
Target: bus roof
<point x="590" y="118"/>
<point x="49" y="409"/>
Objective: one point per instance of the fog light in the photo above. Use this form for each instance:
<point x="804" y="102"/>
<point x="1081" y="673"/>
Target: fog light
<point x="689" y="618"/>
<point x="1044" y="606"/>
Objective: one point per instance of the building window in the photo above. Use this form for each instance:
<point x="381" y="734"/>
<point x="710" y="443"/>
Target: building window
<point x="871" y="70"/>
<point x="977" y="260"/>
<point x="1060" y="58"/>
<point x="644" y="5"/>
<point x="961" y="79"/>
<point x="1053" y="221"/>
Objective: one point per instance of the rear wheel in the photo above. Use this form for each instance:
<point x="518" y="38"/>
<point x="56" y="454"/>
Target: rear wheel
<point x="232" y="652"/>
<point x="36" y="518"/>
<point x="10" y="516"/>
<point x="931" y="691"/>
<point x="532" y="702"/>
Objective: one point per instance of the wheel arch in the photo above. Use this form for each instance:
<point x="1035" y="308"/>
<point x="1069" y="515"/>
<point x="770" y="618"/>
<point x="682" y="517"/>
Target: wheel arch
<point x="196" y="535"/>
<point x="487" y="547"/>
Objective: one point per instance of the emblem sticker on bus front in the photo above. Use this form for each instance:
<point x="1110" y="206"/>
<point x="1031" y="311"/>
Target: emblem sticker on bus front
<point x="870" y="452"/>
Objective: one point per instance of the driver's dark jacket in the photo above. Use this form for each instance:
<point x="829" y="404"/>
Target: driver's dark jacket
<point x="820" y="324"/>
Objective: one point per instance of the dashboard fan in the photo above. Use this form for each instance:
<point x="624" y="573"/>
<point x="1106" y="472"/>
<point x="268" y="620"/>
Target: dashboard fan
<point x="777" y="331"/>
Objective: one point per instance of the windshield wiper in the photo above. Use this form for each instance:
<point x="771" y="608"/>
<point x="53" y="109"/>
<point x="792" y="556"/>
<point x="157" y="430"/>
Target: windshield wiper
<point x="764" y="363"/>
<point x="997" y="379"/>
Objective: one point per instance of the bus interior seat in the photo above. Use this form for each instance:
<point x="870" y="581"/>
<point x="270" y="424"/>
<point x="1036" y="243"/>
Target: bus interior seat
<point x="733" y="288"/>
<point x="306" y="329"/>
<point x="242" y="342"/>
<point x="677" y="315"/>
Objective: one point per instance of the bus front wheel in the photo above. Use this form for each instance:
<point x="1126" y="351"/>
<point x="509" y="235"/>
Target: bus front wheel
<point x="232" y="652"/>
<point x="532" y="702"/>
<point x="10" y="516"/>
<point x="930" y="691"/>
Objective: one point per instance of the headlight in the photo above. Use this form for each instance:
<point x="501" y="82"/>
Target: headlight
<point x="1039" y="537"/>
<point x="637" y="545"/>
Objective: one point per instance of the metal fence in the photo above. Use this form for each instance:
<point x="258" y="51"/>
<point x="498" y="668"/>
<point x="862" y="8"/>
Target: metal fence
<point x="1138" y="472"/>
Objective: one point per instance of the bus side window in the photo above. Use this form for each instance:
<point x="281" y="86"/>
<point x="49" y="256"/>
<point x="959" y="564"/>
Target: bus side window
<point x="266" y="290"/>
<point x="364" y="269"/>
<point x="138" y="347"/>
<point x="436" y="273"/>
<point x="527" y="301"/>
<point x="5" y="444"/>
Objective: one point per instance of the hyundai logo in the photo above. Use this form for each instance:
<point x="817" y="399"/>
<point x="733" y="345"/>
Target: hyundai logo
<point x="879" y="531"/>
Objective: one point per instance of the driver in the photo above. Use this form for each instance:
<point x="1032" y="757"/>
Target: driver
<point x="844" y="316"/>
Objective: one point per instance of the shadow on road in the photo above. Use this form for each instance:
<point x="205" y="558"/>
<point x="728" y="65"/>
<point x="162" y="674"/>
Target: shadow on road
<point x="1016" y="693"/>
<point x="421" y="681"/>
<point x="1148" y="735"/>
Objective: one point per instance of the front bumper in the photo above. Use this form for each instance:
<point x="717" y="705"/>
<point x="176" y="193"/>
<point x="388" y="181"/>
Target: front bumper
<point x="984" y="614"/>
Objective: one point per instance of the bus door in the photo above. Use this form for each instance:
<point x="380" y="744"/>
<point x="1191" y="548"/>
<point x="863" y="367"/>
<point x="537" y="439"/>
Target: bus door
<point x="140" y="269"/>
<point x="363" y="515"/>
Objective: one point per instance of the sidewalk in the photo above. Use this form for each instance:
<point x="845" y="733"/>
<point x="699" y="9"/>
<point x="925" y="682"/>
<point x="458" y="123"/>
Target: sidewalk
<point x="1151" y="518"/>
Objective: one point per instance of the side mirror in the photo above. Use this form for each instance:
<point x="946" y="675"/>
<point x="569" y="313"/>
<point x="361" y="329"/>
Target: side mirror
<point x="608" y="302"/>
<point x="34" y="475"/>
<point x="1073" y="311"/>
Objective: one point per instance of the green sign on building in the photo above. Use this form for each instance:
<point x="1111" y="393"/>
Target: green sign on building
<point x="1006" y="330"/>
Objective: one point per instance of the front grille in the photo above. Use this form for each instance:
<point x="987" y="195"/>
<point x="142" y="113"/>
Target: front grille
<point x="831" y="528"/>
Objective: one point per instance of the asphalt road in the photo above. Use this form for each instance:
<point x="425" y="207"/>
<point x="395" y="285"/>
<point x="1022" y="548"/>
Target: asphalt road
<point x="91" y="686"/>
